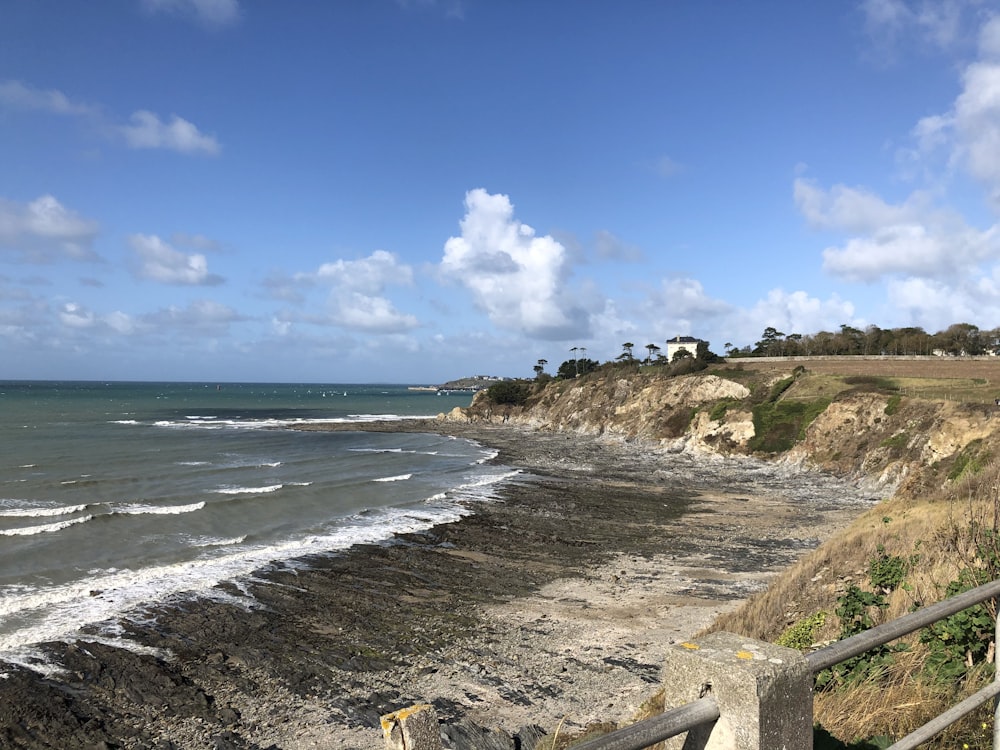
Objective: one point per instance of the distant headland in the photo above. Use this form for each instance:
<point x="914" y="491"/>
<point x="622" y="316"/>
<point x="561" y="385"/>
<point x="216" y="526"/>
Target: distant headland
<point x="471" y="384"/>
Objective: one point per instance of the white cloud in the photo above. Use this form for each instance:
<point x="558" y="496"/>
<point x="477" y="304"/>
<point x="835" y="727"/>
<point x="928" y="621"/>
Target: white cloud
<point x="16" y="95"/>
<point x="44" y="230"/>
<point x="357" y="292"/>
<point x="913" y="250"/>
<point x="210" y="12"/>
<point x="198" y="318"/>
<point x="941" y="24"/>
<point x="908" y="239"/>
<point x="968" y="133"/>
<point x="684" y="297"/>
<point x="851" y="209"/>
<point x="148" y="131"/>
<point x="158" y="261"/>
<point x="144" y="130"/>
<point x="516" y="277"/>
<point x="797" y="312"/>
<point x="76" y="316"/>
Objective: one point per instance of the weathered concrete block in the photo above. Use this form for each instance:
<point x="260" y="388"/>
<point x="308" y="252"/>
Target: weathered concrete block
<point x="413" y="728"/>
<point x="764" y="693"/>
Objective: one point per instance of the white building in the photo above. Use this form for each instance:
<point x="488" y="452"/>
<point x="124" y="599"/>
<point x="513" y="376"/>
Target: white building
<point x="685" y="343"/>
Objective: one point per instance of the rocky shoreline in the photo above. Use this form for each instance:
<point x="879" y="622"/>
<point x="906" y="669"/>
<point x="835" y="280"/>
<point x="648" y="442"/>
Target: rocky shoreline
<point x="550" y="605"/>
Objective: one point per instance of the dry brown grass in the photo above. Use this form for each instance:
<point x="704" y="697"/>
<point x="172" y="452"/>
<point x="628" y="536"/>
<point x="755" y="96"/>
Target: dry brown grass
<point x="944" y="532"/>
<point x="933" y="378"/>
<point x="925" y="367"/>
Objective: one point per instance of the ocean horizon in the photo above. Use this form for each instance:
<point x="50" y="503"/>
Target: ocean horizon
<point x="117" y="496"/>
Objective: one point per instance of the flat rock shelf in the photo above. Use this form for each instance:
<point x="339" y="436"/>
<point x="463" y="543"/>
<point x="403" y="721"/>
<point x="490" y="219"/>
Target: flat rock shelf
<point x="550" y="605"/>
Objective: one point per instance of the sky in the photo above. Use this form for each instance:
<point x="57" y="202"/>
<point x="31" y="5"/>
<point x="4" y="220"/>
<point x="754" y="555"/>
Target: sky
<point x="412" y="191"/>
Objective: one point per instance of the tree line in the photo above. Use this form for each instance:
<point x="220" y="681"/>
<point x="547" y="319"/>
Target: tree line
<point x="959" y="339"/>
<point x="683" y="362"/>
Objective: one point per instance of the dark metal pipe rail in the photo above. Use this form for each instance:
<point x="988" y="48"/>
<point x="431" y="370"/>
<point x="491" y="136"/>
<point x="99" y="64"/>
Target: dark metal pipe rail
<point x="669" y="724"/>
<point x="658" y="728"/>
<point x="882" y="634"/>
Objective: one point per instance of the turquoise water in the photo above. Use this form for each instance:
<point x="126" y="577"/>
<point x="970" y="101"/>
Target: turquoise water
<point x="117" y="495"/>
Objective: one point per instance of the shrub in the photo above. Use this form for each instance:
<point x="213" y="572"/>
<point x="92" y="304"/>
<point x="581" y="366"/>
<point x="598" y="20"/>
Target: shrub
<point x="508" y="392"/>
<point x="719" y="409"/>
<point x="893" y="404"/>
<point x="970" y="461"/>
<point x="801" y="635"/>
<point x="777" y="426"/>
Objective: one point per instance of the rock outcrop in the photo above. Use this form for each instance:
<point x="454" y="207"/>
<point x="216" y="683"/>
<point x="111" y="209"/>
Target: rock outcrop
<point x="889" y="441"/>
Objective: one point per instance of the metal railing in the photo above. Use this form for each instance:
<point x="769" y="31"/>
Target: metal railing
<point x="705" y="710"/>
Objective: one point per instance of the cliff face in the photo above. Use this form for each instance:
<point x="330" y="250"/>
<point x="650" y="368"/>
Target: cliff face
<point x="895" y="442"/>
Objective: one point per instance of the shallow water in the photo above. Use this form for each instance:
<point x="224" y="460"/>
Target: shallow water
<point x="117" y="494"/>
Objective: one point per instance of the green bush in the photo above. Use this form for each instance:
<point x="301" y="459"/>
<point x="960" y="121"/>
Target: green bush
<point x="801" y="635"/>
<point x="959" y="642"/>
<point x="892" y="406"/>
<point x="508" y="392"/>
<point x="899" y="440"/>
<point x="970" y="461"/>
<point x="777" y="426"/>
<point x="719" y="409"/>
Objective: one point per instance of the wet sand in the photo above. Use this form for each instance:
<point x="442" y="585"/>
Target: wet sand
<point x="552" y="604"/>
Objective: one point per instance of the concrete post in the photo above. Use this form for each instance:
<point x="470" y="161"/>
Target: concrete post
<point x="413" y="728"/>
<point x="764" y="693"/>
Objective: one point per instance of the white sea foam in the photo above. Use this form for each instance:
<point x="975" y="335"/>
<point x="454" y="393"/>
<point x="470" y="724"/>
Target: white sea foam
<point x="398" y="478"/>
<point x="35" y="615"/>
<point x="138" y="509"/>
<point x="124" y="421"/>
<point x="248" y="490"/>
<point x="47" y="528"/>
<point x="62" y="510"/>
<point x="211" y="541"/>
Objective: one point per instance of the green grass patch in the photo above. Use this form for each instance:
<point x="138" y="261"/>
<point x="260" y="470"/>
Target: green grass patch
<point x="778" y="426"/>
<point x="719" y="409"/>
<point x="969" y="461"/>
<point x="899" y="441"/>
<point x="893" y="405"/>
<point x="802" y="634"/>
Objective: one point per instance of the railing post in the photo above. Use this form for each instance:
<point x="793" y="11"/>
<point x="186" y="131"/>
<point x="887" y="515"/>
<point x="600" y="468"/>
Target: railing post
<point x="413" y="728"/>
<point x="764" y="693"/>
<point x="996" y="674"/>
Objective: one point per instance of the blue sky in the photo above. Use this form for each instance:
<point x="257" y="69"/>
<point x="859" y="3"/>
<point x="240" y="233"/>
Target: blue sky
<point x="416" y="190"/>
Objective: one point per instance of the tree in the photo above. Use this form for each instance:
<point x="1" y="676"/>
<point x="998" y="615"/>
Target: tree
<point x="627" y="351"/>
<point x="507" y="393"/>
<point x="573" y="368"/>
<point x="540" y="368"/>
<point x="960" y="339"/>
<point x="770" y="343"/>
<point x="852" y="340"/>
<point x="653" y="349"/>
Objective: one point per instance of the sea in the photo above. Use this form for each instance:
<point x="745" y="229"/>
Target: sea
<point x="115" y="496"/>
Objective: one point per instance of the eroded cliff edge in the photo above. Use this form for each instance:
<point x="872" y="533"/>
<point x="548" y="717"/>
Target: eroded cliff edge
<point x="859" y="428"/>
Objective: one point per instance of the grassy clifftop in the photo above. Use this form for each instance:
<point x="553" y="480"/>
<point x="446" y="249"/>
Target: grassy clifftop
<point x="923" y="434"/>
